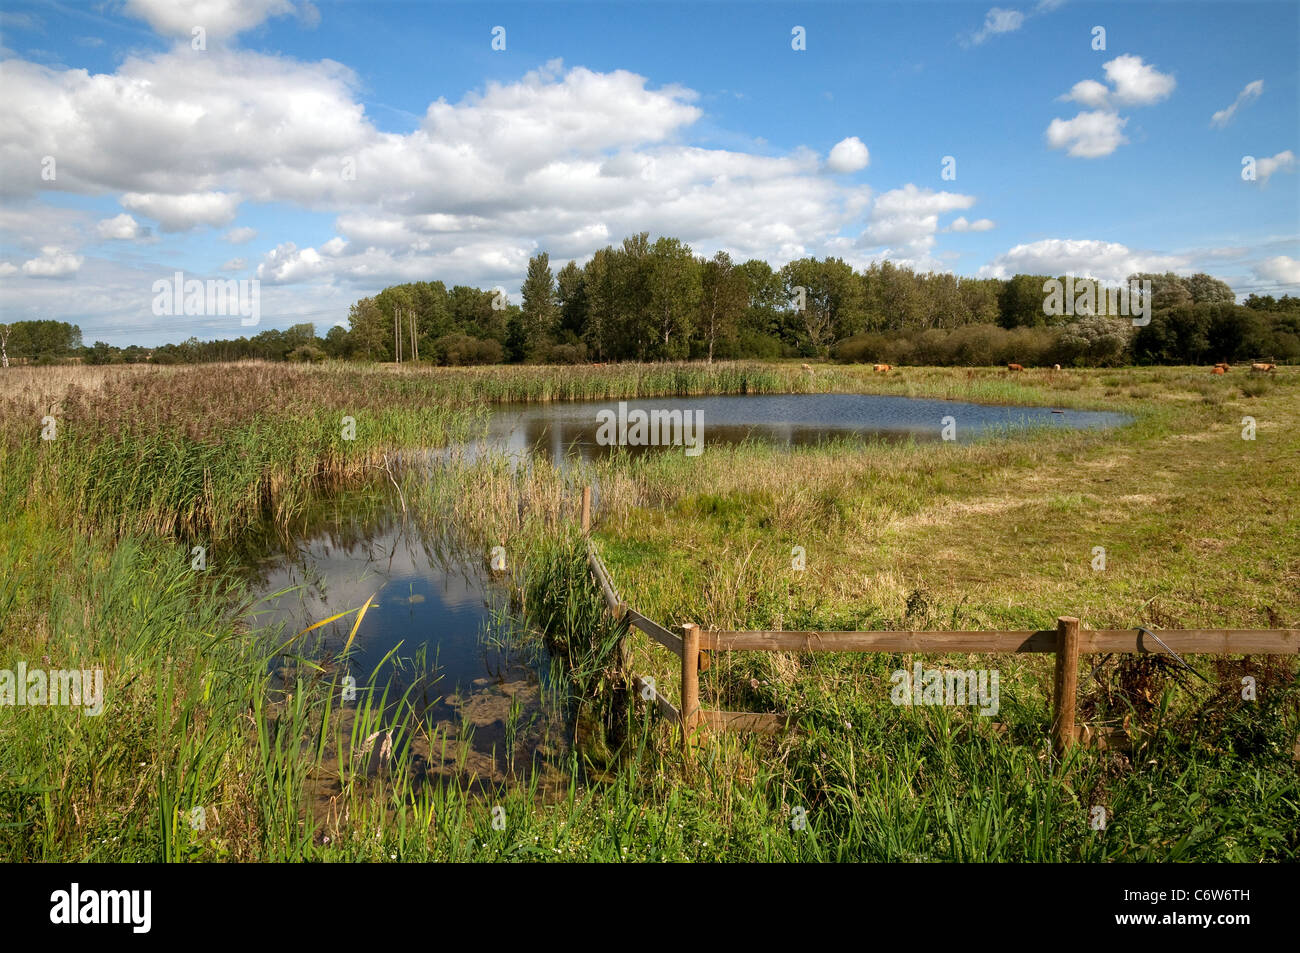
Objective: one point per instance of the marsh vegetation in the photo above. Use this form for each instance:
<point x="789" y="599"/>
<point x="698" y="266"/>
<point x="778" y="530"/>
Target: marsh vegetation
<point x="1201" y="528"/>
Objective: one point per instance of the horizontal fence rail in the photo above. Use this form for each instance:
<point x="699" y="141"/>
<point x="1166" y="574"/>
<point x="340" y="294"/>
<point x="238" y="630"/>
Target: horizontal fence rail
<point x="1091" y="641"/>
<point x="668" y="640"/>
<point x="1067" y="642"/>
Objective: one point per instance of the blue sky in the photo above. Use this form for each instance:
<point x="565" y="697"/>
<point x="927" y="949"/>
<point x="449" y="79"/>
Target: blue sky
<point x="601" y="119"/>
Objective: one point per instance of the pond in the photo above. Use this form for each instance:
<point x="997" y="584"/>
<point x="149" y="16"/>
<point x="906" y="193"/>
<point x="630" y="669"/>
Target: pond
<point x="425" y="600"/>
<point x="437" y="617"/>
<point x="557" y="430"/>
<point x="438" y="636"/>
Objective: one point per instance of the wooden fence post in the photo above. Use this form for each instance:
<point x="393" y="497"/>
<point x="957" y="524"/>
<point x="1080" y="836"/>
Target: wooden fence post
<point x="586" y="510"/>
<point x="1067" y="683"/>
<point x="624" y="651"/>
<point x="690" y="681"/>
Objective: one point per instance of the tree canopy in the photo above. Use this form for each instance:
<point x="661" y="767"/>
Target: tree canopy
<point x="644" y="300"/>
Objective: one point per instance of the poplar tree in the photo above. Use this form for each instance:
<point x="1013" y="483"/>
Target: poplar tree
<point x="540" y="313"/>
<point x="723" y="299"/>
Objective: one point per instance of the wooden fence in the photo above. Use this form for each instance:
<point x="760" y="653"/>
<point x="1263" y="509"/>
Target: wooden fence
<point x="1067" y="641"/>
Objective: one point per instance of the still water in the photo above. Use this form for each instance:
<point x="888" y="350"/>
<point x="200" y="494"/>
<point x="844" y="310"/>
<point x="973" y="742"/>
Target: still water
<point x="432" y="606"/>
<point x="789" y="420"/>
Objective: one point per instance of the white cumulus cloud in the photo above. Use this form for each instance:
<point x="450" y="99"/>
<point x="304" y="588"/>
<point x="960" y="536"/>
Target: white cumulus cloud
<point x="848" y="155"/>
<point x="1099" y="131"/>
<point x="178" y="213"/>
<point x="1283" y="269"/>
<point x="122" y="227"/>
<point x="1089" y="135"/>
<point x="53" y="262"/>
<point x="1108" y="261"/>
<point x="1137" y="83"/>
<point x="219" y="18"/>
<point x="560" y="159"/>
<point x="1265" y="167"/>
<point x="287" y="263"/>
<point x="909" y="218"/>
<point x="1089" y="93"/>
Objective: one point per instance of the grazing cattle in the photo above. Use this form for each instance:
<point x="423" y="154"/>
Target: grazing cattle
<point x="1223" y="364"/>
<point x="1218" y="370"/>
<point x="1056" y="367"/>
<point x="883" y="368"/>
<point x="1263" y="368"/>
<point x="807" y="368"/>
<point x="1015" y="367"/>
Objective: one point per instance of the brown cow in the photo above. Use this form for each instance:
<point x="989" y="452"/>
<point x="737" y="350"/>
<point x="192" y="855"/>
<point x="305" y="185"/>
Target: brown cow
<point x="1223" y="364"/>
<point x="1015" y="367"/>
<point x="883" y="368"/>
<point x="1263" y="368"/>
<point x="1218" y="370"/>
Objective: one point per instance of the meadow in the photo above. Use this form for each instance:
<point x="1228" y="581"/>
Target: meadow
<point x="1201" y="529"/>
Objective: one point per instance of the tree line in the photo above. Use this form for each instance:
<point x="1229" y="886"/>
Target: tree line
<point x="44" y="342"/>
<point x="656" y="300"/>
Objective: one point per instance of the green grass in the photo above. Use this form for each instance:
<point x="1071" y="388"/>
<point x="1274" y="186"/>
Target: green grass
<point x="1201" y="529"/>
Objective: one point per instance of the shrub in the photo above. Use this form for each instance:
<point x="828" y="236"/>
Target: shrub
<point x="565" y="354"/>
<point x="306" y="353"/>
<point x="1031" y="347"/>
<point x="977" y="345"/>
<point x="861" y="349"/>
<point x="1256" y="387"/>
<point x="930" y="347"/>
<point x="970" y="344"/>
<point x="753" y="344"/>
<point x="461" y="349"/>
<point x="1094" y="341"/>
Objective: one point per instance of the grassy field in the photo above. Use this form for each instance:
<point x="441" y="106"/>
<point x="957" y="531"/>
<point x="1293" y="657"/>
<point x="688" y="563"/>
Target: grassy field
<point x="1200" y="526"/>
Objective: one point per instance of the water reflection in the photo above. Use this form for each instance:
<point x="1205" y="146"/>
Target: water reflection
<point x="424" y="597"/>
<point x="432" y="605"/>
<point x="561" y="430"/>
